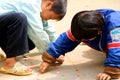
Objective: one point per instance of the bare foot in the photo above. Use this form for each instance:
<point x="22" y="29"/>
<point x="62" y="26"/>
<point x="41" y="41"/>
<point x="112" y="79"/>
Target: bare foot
<point x="10" y="63"/>
<point x="11" y="66"/>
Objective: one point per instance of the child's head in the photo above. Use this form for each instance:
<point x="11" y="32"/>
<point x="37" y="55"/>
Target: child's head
<point x="53" y="9"/>
<point x="86" y="24"/>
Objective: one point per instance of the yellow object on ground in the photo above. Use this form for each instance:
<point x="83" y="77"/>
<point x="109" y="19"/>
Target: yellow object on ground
<point x="19" y="69"/>
<point x="2" y="56"/>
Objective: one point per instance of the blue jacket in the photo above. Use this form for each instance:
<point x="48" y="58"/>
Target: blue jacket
<point x="108" y="41"/>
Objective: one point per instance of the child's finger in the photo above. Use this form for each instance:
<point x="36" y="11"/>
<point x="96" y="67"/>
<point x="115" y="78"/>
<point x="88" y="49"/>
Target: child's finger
<point x="98" y="76"/>
<point x="103" y="76"/>
<point x="108" y="78"/>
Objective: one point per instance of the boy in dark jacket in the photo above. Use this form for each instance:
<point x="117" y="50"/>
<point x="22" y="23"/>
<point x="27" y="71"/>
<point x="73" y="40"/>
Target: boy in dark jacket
<point x="23" y="26"/>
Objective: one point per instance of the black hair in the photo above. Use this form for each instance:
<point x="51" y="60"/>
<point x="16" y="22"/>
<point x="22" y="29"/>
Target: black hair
<point x="59" y="7"/>
<point x="86" y="24"/>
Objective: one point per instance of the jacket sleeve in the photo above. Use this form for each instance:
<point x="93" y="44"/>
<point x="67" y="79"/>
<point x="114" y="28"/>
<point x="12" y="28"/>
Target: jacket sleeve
<point x="113" y="55"/>
<point x="62" y="45"/>
<point x="113" y="40"/>
<point x="50" y="30"/>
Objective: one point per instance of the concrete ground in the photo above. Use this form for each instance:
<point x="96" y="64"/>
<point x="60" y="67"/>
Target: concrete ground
<point x="83" y="63"/>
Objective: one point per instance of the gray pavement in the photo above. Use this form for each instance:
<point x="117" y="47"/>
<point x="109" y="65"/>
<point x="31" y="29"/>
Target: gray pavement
<point x="83" y="63"/>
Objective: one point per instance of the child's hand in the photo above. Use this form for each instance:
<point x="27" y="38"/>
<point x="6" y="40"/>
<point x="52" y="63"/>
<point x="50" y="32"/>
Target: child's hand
<point x="44" y="67"/>
<point x="103" y="76"/>
<point x="60" y="59"/>
<point x="48" y="60"/>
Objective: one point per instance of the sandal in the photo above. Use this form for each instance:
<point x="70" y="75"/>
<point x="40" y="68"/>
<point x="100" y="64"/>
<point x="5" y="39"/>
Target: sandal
<point x="2" y="57"/>
<point x="18" y="69"/>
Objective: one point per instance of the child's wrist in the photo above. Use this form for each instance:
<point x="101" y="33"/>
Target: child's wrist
<point x="114" y="72"/>
<point x="48" y="58"/>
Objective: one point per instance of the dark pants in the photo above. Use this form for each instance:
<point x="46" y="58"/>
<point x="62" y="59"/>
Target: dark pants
<point x="13" y="34"/>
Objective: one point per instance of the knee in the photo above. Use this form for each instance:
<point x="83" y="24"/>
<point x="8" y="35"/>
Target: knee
<point x="21" y="20"/>
<point x="18" y="20"/>
<point x="20" y="16"/>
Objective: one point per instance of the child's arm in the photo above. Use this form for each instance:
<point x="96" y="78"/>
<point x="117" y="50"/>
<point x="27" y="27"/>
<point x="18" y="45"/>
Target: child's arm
<point x="35" y="24"/>
<point x="61" y="46"/>
<point x="112" y="61"/>
<point x="50" y="30"/>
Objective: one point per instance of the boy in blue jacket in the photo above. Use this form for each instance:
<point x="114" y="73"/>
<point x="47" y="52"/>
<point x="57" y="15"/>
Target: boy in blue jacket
<point x="100" y="29"/>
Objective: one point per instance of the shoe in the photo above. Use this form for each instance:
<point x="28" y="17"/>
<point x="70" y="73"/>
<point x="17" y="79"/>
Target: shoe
<point x="2" y="57"/>
<point x="18" y="69"/>
<point x="25" y="56"/>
